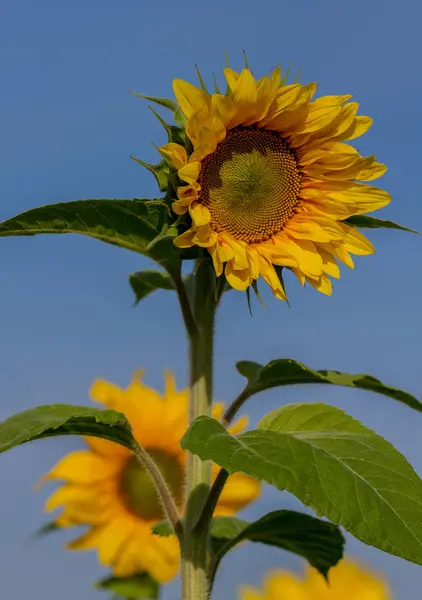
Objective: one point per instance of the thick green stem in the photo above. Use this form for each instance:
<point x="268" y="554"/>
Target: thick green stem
<point x="195" y="585"/>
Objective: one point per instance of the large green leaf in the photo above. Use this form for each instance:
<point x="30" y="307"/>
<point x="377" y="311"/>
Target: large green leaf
<point x="333" y="464"/>
<point x="286" y="371"/>
<point x="131" y="224"/>
<point x="63" y="419"/>
<point x="366" y="222"/>
<point x="137" y="587"/>
<point x="320" y="542"/>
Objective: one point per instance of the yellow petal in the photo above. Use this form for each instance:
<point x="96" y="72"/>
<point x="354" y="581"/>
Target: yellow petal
<point x="363" y="197"/>
<point x="83" y="466"/>
<point x="248" y="593"/>
<point x="360" y="126"/>
<point x="190" y="98"/>
<point x="318" y="118"/>
<point x="238" y="279"/>
<point x="306" y="255"/>
<point x="329" y="264"/>
<point x="188" y="192"/>
<point x="285" y="98"/>
<point x="376" y="170"/>
<point x="269" y="275"/>
<point x="244" y="99"/>
<point x="87" y="541"/>
<point x="231" y="77"/>
<point x="342" y="254"/>
<point x="323" y="284"/>
<point x="216" y="259"/>
<point x="176" y="154"/>
<point x="185" y="240"/>
<point x="180" y="207"/>
<point x="115" y="535"/>
<point x="356" y="243"/>
<point x="205" y="236"/>
<point x="223" y="108"/>
<point x="190" y="172"/>
<point x="200" y="214"/>
<point x="284" y="585"/>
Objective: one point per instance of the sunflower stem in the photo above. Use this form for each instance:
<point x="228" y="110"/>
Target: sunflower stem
<point x="185" y="305"/>
<point x="163" y="491"/>
<point x="195" y="584"/>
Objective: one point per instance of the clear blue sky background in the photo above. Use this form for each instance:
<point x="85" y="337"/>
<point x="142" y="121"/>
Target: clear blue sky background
<point x="67" y="127"/>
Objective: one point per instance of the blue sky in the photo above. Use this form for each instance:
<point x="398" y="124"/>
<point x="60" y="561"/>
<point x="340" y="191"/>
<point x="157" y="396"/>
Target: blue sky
<point x="68" y="125"/>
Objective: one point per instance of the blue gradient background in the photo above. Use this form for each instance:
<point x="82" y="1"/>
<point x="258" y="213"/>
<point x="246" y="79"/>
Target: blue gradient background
<point x="67" y="127"/>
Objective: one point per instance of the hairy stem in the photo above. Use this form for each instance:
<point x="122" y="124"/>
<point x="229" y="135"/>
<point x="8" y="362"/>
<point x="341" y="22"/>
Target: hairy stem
<point x="185" y="305"/>
<point x="164" y="494"/>
<point x="195" y="584"/>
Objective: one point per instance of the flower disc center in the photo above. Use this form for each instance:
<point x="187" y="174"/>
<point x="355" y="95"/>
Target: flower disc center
<point x="138" y="491"/>
<point x="250" y="184"/>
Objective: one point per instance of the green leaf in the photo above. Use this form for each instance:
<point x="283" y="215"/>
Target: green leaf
<point x="365" y="222"/>
<point x="145" y="282"/>
<point x="333" y="464"/>
<point x="130" y="224"/>
<point x="140" y="586"/>
<point x="319" y="542"/>
<point x="286" y="371"/>
<point x="63" y="419"/>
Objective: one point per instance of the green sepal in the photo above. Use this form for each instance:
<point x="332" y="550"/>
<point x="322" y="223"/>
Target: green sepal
<point x="160" y="171"/>
<point x="201" y="81"/>
<point x="367" y="222"/>
<point x="169" y="104"/>
<point x="46" y="529"/>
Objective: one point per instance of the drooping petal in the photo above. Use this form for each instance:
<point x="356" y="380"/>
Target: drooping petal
<point x="190" y="98"/>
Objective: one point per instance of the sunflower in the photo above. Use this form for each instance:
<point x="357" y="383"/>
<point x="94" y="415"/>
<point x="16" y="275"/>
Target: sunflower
<point x="347" y="581"/>
<point x="106" y="488"/>
<point x="269" y="180"/>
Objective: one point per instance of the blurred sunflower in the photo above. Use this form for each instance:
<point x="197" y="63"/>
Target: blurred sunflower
<point x="347" y="581"/>
<point x="270" y="180"/>
<point x="106" y="488"/>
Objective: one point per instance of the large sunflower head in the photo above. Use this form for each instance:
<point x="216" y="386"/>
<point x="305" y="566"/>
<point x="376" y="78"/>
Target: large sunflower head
<point x="108" y="491"/>
<point x="268" y="179"/>
<point x="346" y="581"/>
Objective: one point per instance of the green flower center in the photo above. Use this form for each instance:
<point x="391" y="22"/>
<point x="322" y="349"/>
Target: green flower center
<point x="250" y="184"/>
<point x="138" y="491"/>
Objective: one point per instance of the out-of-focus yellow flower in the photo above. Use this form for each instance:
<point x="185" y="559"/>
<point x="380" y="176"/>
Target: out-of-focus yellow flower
<point x="106" y="488"/>
<point x="346" y="581"/>
<point x="271" y="179"/>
